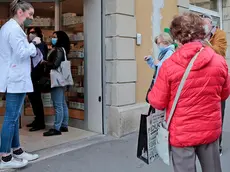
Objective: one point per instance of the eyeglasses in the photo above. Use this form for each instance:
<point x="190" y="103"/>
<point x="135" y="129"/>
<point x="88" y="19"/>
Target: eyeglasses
<point x="204" y="16"/>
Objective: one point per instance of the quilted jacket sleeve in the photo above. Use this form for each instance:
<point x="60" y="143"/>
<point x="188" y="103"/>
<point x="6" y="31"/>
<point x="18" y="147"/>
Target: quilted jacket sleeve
<point x="159" y="95"/>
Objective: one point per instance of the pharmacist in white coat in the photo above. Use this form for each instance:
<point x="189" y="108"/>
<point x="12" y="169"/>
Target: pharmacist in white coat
<point x="15" y="81"/>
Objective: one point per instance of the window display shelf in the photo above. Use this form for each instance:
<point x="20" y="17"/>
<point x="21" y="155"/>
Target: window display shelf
<point x="49" y="111"/>
<point x="2" y="111"/>
<point x="71" y="42"/>
<point x="73" y="113"/>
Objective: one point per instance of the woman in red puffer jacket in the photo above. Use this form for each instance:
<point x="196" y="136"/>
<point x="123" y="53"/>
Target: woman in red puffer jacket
<point x="196" y="124"/>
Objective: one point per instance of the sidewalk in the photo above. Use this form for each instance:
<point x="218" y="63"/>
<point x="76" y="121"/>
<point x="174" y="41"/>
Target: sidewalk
<point x="110" y="156"/>
<point x="102" y="153"/>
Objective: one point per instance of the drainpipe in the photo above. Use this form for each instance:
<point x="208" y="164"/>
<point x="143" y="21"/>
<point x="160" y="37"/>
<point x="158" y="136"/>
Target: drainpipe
<point x="103" y="63"/>
<point x="156" y="22"/>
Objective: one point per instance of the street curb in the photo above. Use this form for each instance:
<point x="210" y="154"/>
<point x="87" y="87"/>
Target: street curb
<point x="70" y="146"/>
<point x="66" y="147"/>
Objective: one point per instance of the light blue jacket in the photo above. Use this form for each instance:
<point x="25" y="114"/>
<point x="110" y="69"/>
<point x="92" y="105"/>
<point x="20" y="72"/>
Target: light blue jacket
<point x="170" y="50"/>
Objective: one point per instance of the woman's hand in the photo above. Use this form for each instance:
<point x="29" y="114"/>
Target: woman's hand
<point x="37" y="40"/>
<point x="156" y="61"/>
<point x="43" y="62"/>
<point x="147" y="57"/>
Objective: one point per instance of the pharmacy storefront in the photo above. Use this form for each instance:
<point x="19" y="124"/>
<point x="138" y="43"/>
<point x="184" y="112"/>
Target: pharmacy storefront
<point x="111" y="78"/>
<point x="81" y="20"/>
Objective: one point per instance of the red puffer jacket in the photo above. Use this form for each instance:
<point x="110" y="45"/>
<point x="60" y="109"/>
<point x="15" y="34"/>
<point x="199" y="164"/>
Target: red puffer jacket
<point x="197" y="118"/>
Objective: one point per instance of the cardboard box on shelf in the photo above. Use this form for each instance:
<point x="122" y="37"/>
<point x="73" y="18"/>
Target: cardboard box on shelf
<point x="42" y="22"/>
<point x="71" y="20"/>
<point x="69" y="14"/>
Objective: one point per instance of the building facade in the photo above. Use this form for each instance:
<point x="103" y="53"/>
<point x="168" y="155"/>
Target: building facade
<point x="116" y="76"/>
<point x="127" y="75"/>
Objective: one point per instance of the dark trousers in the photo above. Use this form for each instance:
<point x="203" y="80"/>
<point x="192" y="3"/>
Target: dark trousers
<point x="223" y="103"/>
<point x="37" y="106"/>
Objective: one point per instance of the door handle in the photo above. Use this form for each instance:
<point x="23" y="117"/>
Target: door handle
<point x="99" y="98"/>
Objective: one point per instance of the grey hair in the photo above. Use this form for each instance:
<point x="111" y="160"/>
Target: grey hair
<point x="165" y="37"/>
<point x="19" y="4"/>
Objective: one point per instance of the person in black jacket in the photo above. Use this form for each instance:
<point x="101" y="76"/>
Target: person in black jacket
<point x="36" y="74"/>
<point x="60" y="40"/>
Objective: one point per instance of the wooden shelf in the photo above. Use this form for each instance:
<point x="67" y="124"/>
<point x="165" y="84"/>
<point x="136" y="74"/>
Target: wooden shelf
<point x="46" y="27"/>
<point x="47" y="111"/>
<point x="75" y="58"/>
<point x="73" y="113"/>
<point x="78" y="27"/>
<point x="76" y="114"/>
<point x="71" y="42"/>
<point x="2" y="111"/>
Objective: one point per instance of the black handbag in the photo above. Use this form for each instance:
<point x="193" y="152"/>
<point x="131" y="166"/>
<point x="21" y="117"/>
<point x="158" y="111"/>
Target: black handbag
<point x="44" y="84"/>
<point x="150" y="87"/>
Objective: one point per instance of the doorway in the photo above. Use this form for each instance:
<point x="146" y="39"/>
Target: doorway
<point x="82" y="20"/>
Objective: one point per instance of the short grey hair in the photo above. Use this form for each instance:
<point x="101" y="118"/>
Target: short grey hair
<point x="19" y="4"/>
<point x="165" y="38"/>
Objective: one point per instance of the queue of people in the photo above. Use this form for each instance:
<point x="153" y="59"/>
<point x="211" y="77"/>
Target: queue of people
<point x="21" y="74"/>
<point x="196" y="125"/>
<point x="195" y="129"/>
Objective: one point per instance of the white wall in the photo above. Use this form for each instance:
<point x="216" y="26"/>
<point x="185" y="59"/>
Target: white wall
<point x="92" y="31"/>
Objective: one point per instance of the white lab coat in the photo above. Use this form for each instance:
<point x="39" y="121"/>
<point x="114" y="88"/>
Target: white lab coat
<point x="15" y="59"/>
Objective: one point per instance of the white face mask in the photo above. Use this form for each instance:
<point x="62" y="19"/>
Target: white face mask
<point x="32" y="36"/>
<point x="206" y="29"/>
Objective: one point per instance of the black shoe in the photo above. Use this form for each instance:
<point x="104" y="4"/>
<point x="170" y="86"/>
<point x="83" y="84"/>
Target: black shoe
<point x="64" y="129"/>
<point x="30" y="125"/>
<point x="37" y="128"/>
<point x="52" y="132"/>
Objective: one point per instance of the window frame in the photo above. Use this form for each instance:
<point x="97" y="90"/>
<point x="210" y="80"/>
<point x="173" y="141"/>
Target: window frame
<point x="218" y="14"/>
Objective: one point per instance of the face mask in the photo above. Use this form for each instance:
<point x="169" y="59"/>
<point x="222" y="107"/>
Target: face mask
<point x="28" y="22"/>
<point x="54" y="41"/>
<point x="31" y="36"/>
<point x="206" y="29"/>
<point x="161" y="48"/>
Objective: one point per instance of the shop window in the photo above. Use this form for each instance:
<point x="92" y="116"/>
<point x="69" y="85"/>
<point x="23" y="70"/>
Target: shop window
<point x="210" y="7"/>
<point x="72" y="23"/>
<point x="216" y="20"/>
<point x="207" y="4"/>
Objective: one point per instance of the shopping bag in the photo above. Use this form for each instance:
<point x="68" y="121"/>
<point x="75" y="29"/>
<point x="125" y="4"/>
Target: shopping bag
<point x="62" y="76"/>
<point x="162" y="143"/>
<point x="146" y="149"/>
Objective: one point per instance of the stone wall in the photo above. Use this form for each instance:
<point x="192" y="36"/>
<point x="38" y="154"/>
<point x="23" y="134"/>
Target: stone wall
<point x="121" y="68"/>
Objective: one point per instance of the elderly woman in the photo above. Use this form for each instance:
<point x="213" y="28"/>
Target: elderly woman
<point x="166" y="47"/>
<point x="196" y="123"/>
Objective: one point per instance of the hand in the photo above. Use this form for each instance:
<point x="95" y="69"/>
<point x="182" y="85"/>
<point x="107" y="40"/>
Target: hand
<point x="156" y="61"/>
<point x="37" y="40"/>
<point x="146" y="58"/>
<point x="43" y="62"/>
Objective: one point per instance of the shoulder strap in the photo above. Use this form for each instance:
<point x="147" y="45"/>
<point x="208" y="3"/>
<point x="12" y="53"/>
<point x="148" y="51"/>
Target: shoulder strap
<point x="64" y="53"/>
<point x="185" y="76"/>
